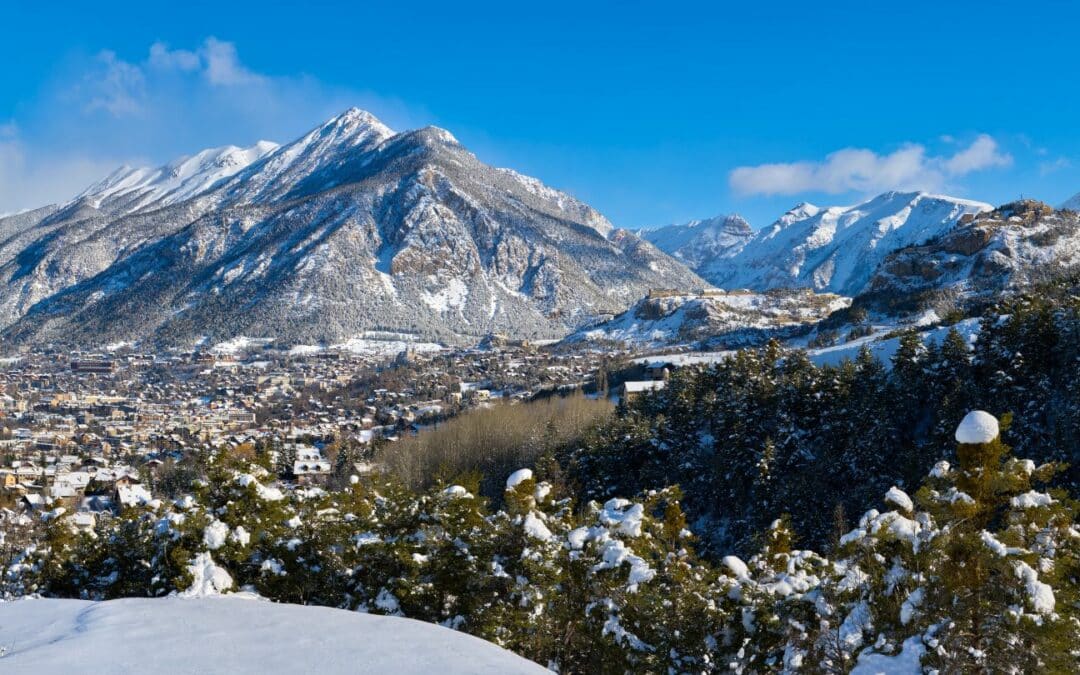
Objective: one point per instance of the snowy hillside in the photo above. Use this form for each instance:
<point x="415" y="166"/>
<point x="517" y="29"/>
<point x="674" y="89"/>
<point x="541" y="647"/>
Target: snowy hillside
<point x="350" y="228"/>
<point x="700" y="241"/>
<point x="232" y="635"/>
<point x="1008" y="248"/>
<point x="884" y="347"/>
<point x="714" y="319"/>
<point x="837" y="248"/>
<point x="130" y="189"/>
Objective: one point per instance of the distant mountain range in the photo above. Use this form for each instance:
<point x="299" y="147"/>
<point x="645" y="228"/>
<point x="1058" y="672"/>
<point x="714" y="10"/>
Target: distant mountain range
<point x="350" y="228"/>
<point x="355" y="228"/>
<point x="828" y="249"/>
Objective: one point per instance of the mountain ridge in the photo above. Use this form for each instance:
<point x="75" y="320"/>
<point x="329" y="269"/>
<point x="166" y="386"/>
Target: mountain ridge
<point x="698" y="241"/>
<point x="830" y="249"/>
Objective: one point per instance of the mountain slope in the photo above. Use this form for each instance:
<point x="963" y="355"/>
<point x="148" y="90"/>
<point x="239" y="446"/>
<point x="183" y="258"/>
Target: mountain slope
<point x="836" y="249"/>
<point x="1010" y="247"/>
<point x="232" y="635"/>
<point x="350" y="228"/>
<point x="131" y="189"/>
<point x="714" y="319"/>
<point x="701" y="241"/>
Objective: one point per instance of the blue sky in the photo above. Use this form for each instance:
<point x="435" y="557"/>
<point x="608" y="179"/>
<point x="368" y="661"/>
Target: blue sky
<point x="652" y="112"/>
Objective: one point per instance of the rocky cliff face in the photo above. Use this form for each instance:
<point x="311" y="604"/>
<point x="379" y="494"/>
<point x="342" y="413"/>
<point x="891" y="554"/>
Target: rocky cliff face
<point x="1008" y="248"/>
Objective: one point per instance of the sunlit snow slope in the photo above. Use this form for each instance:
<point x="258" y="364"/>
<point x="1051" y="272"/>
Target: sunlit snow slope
<point x="232" y="635"/>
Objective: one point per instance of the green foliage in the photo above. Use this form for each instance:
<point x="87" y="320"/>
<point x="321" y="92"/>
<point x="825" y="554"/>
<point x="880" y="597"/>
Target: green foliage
<point x="767" y="431"/>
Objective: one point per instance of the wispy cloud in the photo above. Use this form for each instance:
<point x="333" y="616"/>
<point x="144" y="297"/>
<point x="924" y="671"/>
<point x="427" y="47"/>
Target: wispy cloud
<point x="1053" y="166"/>
<point x="861" y="170"/>
<point x="115" y="86"/>
<point x="105" y="110"/>
<point x="216" y="60"/>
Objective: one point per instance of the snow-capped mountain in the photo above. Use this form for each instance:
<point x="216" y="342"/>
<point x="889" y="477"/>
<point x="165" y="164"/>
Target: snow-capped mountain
<point x="699" y="242"/>
<point x="837" y="248"/>
<point x="130" y="189"/>
<point x="1072" y="204"/>
<point x="325" y="157"/>
<point x="1008" y="248"/>
<point x="350" y="228"/>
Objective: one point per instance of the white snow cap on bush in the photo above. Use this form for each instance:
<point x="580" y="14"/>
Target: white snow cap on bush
<point x="977" y="427"/>
<point x="736" y="566"/>
<point x="455" y="492"/>
<point x="535" y="528"/>
<point x="207" y="578"/>
<point x="900" y="498"/>
<point x="215" y="534"/>
<point x="518" y="477"/>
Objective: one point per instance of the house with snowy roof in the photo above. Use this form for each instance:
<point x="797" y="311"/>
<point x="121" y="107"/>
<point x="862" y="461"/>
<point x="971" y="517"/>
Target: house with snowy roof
<point x="632" y="390"/>
<point x="128" y="496"/>
<point x="82" y="521"/>
<point x="310" y="466"/>
<point x="33" y="502"/>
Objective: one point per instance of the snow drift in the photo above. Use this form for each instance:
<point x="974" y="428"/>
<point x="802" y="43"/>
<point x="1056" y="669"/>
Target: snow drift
<point x="232" y="635"/>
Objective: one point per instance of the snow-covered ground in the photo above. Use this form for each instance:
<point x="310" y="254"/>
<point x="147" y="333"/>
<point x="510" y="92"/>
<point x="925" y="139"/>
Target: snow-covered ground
<point x="884" y="349"/>
<point x="232" y="635"/>
<point x="373" y="347"/>
<point x="685" y="358"/>
<point x="239" y="344"/>
<point x="686" y="319"/>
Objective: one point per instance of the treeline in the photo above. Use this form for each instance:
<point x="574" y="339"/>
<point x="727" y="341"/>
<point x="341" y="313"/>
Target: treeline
<point x="767" y="431"/>
<point x="491" y="442"/>
<point x="974" y="573"/>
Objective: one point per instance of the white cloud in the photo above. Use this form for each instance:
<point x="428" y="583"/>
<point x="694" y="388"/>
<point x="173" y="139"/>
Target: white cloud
<point x="1047" y="168"/>
<point x="223" y="67"/>
<point x="121" y="87"/>
<point x="862" y="170"/>
<point x="983" y="153"/>
<point x="179" y="59"/>
<point x="116" y="86"/>
<point x="216" y="60"/>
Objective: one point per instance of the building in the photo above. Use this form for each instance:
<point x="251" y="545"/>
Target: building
<point x="101" y="366"/>
<point x="634" y="390"/>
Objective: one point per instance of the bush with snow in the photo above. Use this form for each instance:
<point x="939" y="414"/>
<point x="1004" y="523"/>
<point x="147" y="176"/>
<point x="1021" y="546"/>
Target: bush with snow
<point x="980" y="559"/>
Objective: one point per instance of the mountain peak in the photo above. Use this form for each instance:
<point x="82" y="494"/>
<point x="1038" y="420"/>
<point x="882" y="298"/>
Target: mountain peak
<point x="437" y="134"/>
<point x="347" y="229"/>
<point x="699" y="241"/>
<point x="353" y="127"/>
<point x="800" y="211"/>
